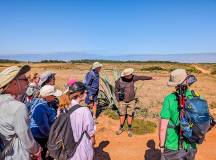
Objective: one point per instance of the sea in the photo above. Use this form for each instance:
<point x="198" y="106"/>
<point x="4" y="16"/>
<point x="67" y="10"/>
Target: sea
<point x="67" y="56"/>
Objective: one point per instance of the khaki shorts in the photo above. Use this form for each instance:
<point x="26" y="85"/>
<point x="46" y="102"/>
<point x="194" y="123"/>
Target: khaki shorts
<point x="126" y="108"/>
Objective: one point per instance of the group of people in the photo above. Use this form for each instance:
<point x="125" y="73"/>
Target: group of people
<point x="29" y="105"/>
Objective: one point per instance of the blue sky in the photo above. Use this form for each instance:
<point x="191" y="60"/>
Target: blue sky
<point x="108" y="26"/>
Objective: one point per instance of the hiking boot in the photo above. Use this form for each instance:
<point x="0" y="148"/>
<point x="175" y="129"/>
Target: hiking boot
<point x="130" y="134"/>
<point x="120" y="131"/>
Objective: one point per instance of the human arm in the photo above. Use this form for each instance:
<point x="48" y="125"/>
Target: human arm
<point x="165" y="116"/>
<point x="92" y="82"/>
<point x="162" y="132"/>
<point x="93" y="140"/>
<point x="21" y="127"/>
<point x="117" y="88"/>
<point x="89" y="124"/>
<point x="142" y="78"/>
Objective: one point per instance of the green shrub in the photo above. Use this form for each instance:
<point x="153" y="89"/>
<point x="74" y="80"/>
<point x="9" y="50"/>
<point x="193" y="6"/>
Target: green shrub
<point x="111" y="114"/>
<point x="154" y="68"/>
<point x="213" y="71"/>
<point x="52" y="61"/>
<point x="9" y="61"/>
<point x="212" y="105"/>
<point x="193" y="70"/>
<point x="140" y="126"/>
<point x="189" y="70"/>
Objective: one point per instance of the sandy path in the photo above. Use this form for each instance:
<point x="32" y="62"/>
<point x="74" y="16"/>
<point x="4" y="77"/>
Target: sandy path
<point x="202" y="69"/>
<point x="124" y="148"/>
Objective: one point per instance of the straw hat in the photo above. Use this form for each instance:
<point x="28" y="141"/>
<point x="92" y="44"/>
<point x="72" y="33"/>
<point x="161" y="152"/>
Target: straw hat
<point x="127" y="71"/>
<point x="96" y="65"/>
<point x="8" y="74"/>
<point x="177" y="77"/>
<point x="49" y="90"/>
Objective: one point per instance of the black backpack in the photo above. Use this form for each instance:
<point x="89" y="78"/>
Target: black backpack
<point x="5" y="149"/>
<point x="61" y="143"/>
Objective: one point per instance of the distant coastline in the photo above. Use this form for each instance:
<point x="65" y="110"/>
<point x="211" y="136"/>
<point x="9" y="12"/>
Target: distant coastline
<point x="182" y="58"/>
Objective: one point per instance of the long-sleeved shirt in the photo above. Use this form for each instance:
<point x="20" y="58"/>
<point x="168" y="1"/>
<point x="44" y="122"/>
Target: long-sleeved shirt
<point x="42" y="117"/>
<point x="14" y="121"/>
<point x="81" y="120"/>
<point x="128" y="86"/>
<point x="92" y="82"/>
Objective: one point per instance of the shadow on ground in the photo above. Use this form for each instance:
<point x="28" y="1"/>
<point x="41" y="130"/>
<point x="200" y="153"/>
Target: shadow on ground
<point x="100" y="154"/>
<point x="152" y="153"/>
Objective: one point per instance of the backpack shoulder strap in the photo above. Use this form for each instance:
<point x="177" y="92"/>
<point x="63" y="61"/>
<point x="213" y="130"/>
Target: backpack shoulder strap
<point x="176" y="95"/>
<point x="32" y="106"/>
<point x="73" y="108"/>
<point x="195" y="94"/>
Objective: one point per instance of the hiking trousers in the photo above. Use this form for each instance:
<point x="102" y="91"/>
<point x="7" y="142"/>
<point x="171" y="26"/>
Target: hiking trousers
<point x="179" y="154"/>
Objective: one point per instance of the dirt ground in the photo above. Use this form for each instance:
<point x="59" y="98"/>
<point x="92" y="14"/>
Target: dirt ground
<point x="151" y="93"/>
<point x="142" y="147"/>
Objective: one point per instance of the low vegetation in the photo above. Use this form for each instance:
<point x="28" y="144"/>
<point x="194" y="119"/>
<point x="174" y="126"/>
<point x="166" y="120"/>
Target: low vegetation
<point x="154" y="68"/>
<point x="169" y="68"/>
<point x="212" y="105"/>
<point x="9" y="61"/>
<point x="111" y="113"/>
<point x="119" y="61"/>
<point x="192" y="70"/>
<point x="140" y="126"/>
<point x="213" y="71"/>
<point x="52" y="61"/>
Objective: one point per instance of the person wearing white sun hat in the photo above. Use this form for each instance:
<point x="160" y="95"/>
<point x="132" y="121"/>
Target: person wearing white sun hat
<point x="125" y="95"/>
<point x="43" y="115"/>
<point x="91" y="81"/>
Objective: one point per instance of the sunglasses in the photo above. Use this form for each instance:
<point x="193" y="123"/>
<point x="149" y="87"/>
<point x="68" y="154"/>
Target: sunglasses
<point x="191" y="79"/>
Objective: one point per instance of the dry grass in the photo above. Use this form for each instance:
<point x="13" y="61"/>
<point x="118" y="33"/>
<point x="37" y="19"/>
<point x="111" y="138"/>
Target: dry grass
<point x="151" y="92"/>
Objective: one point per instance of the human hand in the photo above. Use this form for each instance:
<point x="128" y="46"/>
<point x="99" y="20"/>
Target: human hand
<point x="91" y="98"/>
<point x="162" y="150"/>
<point x="155" y="78"/>
<point x="93" y="140"/>
<point x="37" y="156"/>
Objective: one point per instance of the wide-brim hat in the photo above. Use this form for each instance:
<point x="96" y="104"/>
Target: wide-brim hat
<point x="49" y="90"/>
<point x="44" y="77"/>
<point x="8" y="74"/>
<point x="127" y="72"/>
<point x="177" y="77"/>
<point x="96" y="65"/>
